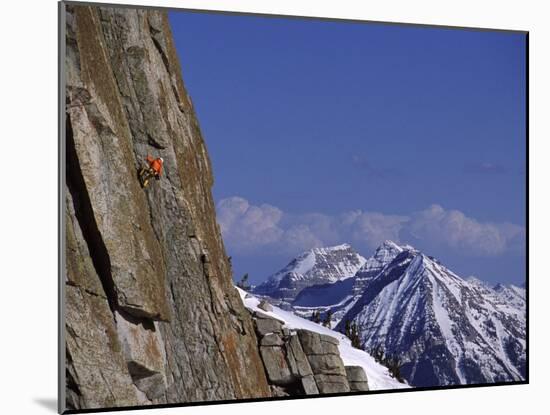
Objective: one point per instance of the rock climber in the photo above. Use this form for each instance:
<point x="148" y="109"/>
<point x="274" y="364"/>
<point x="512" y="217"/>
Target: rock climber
<point x="153" y="169"/>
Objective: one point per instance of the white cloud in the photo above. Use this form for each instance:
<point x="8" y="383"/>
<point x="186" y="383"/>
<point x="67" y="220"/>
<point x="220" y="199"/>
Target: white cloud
<point x="250" y="229"/>
<point x="372" y="228"/>
<point x="454" y="229"/>
<point x="299" y="238"/>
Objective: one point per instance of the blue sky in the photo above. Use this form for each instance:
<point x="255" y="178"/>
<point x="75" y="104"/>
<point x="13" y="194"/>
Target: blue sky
<point x="328" y="132"/>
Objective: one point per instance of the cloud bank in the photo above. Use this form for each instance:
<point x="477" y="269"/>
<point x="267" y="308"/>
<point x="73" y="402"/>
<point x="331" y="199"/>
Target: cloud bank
<point x="250" y="229"/>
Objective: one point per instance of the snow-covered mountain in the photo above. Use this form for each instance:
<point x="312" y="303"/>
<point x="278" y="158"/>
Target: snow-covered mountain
<point x="445" y="330"/>
<point x="340" y="297"/>
<point x="314" y="267"/>
<point x="383" y="256"/>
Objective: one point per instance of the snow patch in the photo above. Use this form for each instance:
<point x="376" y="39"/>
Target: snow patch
<point x="378" y="376"/>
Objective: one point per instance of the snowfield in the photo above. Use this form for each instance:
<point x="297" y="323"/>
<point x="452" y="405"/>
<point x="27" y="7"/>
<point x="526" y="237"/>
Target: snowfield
<point x="378" y="375"/>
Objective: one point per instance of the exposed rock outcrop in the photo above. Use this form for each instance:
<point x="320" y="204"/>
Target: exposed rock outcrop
<point x="151" y="312"/>
<point x="303" y="362"/>
<point x="357" y="379"/>
<point x="264" y="305"/>
<point x="325" y="361"/>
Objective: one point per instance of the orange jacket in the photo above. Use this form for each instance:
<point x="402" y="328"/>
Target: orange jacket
<point x="155" y="164"/>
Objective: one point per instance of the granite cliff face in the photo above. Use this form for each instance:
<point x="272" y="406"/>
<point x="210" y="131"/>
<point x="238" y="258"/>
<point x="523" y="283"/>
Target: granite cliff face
<point x="151" y="312"/>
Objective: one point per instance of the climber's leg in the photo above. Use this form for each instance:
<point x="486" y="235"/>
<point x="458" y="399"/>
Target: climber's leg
<point x="148" y="176"/>
<point x="145" y="175"/>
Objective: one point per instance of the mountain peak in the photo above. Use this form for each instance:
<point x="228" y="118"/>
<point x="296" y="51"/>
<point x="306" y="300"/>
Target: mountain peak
<point x="313" y="267"/>
<point x="390" y="244"/>
<point x="341" y="247"/>
<point x="383" y="255"/>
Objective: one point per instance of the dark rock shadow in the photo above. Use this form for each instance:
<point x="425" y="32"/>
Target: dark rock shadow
<point x="48" y="403"/>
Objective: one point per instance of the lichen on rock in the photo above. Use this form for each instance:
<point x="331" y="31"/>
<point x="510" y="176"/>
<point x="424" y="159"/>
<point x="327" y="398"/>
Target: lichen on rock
<point x="146" y="321"/>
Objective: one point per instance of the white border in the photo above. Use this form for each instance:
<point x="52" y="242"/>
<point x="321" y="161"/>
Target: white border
<point x="29" y="202"/>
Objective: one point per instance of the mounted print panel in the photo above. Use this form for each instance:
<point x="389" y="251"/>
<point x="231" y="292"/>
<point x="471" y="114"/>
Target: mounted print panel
<point x="323" y="208"/>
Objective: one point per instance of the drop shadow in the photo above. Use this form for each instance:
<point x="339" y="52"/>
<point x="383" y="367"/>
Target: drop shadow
<point x="48" y="403"/>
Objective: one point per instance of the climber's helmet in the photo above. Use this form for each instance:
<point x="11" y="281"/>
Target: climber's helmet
<point x="161" y="159"/>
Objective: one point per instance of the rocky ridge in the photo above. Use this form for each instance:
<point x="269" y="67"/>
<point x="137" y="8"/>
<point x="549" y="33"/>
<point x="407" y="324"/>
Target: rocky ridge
<point x="303" y="362"/>
<point x="324" y="351"/>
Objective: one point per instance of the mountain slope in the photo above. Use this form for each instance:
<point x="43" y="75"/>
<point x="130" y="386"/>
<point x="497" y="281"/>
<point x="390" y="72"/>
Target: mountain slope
<point x="382" y="257"/>
<point x="444" y="329"/>
<point x="314" y="267"/>
<point x="340" y="296"/>
<point x="379" y="377"/>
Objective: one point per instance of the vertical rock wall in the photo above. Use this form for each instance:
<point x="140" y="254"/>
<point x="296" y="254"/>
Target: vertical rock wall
<point x="151" y="312"/>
